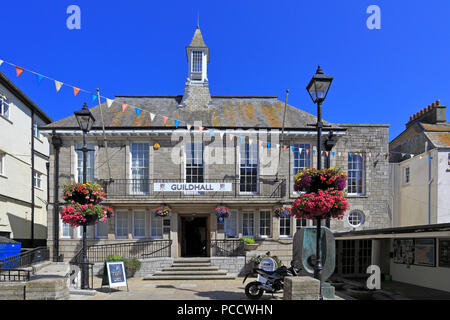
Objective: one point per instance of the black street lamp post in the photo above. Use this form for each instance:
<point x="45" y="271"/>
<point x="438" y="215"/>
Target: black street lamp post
<point x="85" y="121"/>
<point x="318" y="89"/>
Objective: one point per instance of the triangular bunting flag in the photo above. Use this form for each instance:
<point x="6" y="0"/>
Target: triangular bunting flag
<point x="152" y="116"/>
<point x="109" y="102"/>
<point x="333" y="154"/>
<point x="300" y="150"/>
<point x="307" y="151"/>
<point x="138" y="111"/>
<point x="188" y="126"/>
<point x="284" y="147"/>
<point x="260" y="143"/>
<point x="411" y="155"/>
<point x="268" y="145"/>
<point x="211" y="132"/>
<point x="241" y="138"/>
<point x="221" y="134"/>
<point x="231" y="137"/>
<point x="293" y="149"/>
<point x="39" y="78"/>
<point x="124" y="107"/>
<point x="1" y="62"/>
<point x="420" y="157"/>
<point x="93" y="97"/>
<point x="403" y="154"/>
<point x="326" y="152"/>
<point x="58" y="85"/>
<point x="314" y="152"/>
<point x="75" y="91"/>
<point x="201" y="129"/>
<point x="19" y="71"/>
<point x="165" y="119"/>
<point x="177" y="123"/>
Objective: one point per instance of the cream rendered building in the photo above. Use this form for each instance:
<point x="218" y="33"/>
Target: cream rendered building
<point x="23" y="179"/>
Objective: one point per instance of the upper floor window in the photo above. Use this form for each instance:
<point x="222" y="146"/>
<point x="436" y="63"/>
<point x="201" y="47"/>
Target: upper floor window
<point x="265" y="218"/>
<point x="2" y="163"/>
<point x="89" y="163"/>
<point x="4" y="106"/>
<point x="355" y="174"/>
<point x="36" y="132"/>
<point x="197" y="59"/>
<point x="139" y="167"/>
<point x="302" y="157"/>
<point x="194" y="162"/>
<point x="355" y="218"/>
<point x="249" y="167"/>
<point x="407" y="175"/>
<point x="37" y="179"/>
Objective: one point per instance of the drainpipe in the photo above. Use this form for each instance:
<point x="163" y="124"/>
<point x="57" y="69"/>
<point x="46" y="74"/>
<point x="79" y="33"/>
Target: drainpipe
<point x="32" y="178"/>
<point x="430" y="181"/>
<point x="56" y="142"/>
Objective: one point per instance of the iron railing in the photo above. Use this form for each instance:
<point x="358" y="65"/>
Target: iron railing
<point x="25" y="258"/>
<point x="15" y="275"/>
<point x="129" y="250"/>
<point x="264" y="187"/>
<point x="227" y="248"/>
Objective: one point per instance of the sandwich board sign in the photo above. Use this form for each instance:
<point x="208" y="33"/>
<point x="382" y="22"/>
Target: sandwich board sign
<point x="117" y="276"/>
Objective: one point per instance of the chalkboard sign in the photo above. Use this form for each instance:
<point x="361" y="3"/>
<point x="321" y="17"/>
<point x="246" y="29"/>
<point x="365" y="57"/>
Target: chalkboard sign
<point x="116" y="274"/>
<point x="444" y="253"/>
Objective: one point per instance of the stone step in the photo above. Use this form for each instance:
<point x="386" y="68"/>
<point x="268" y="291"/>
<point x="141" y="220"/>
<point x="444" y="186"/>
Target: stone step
<point x="192" y="260"/>
<point x="191" y="277"/>
<point x="190" y="272"/>
<point x="196" y="268"/>
<point x="191" y="265"/>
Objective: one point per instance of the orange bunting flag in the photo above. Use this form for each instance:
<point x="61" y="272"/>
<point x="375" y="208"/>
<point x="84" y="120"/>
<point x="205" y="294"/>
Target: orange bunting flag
<point x="284" y="147"/>
<point x="75" y="91"/>
<point x="19" y="71"/>
<point x="124" y="107"/>
<point x="201" y="129"/>
<point x="231" y="137"/>
<point x="165" y="120"/>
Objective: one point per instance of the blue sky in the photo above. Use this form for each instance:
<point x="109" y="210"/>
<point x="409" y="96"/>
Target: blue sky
<point x="257" y="48"/>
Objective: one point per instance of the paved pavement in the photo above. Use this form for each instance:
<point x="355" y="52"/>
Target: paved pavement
<point x="139" y="289"/>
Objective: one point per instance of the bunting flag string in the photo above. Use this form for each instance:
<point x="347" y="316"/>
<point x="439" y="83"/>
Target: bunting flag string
<point x="109" y="102"/>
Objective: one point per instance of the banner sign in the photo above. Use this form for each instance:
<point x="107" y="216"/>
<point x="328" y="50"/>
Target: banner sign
<point x="116" y="274"/>
<point x="176" y="187"/>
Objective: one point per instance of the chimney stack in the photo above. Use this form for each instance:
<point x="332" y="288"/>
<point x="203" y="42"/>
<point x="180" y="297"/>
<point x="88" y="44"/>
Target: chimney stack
<point x="432" y="114"/>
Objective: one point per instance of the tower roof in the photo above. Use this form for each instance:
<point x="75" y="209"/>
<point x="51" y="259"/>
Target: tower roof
<point x="197" y="43"/>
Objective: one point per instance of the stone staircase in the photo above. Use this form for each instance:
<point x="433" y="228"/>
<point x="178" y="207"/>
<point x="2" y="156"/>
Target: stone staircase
<point x="191" y="269"/>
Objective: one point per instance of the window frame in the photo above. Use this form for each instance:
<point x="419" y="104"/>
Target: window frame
<point x="363" y="173"/>
<point x="36" y="132"/>
<point x="361" y="217"/>
<point x="36" y="179"/>
<point x="252" y="220"/>
<point x="154" y="218"/>
<point x="116" y="217"/>
<point x="4" y="101"/>
<point x="269" y="219"/>
<point x="246" y="165"/>
<point x="96" y="235"/>
<point x="194" y="149"/>
<point x="144" y="188"/>
<point x="90" y="163"/>
<point x="308" y="159"/>
<point x="197" y="61"/>
<point x="2" y="163"/>
<point x="228" y="221"/>
<point x="65" y="225"/>
<point x="280" y="227"/>
<point x="134" y="225"/>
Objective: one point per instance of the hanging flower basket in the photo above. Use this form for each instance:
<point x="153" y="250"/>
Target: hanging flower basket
<point x="163" y="211"/>
<point x="84" y="193"/>
<point x="282" y="212"/>
<point x="83" y="204"/>
<point x="76" y="214"/>
<point x="312" y="180"/>
<point x="321" y="205"/>
<point x="223" y="212"/>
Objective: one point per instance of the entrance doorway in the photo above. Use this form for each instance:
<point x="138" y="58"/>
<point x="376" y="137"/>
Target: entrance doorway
<point x="194" y="237"/>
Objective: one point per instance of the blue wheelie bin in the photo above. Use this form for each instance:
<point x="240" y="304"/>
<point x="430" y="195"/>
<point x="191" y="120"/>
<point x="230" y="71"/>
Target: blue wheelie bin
<point x="9" y="248"/>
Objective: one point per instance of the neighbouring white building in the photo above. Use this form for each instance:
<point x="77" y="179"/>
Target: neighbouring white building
<point x="416" y="248"/>
<point x="24" y="155"/>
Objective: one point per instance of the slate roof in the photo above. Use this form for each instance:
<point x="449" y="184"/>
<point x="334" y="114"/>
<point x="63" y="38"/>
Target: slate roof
<point x="197" y="40"/>
<point x="223" y="111"/>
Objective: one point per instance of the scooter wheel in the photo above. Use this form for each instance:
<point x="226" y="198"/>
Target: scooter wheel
<point x="252" y="290"/>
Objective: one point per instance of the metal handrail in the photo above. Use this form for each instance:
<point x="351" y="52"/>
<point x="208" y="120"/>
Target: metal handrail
<point x="99" y="253"/>
<point x="237" y="247"/>
<point x="25" y="259"/>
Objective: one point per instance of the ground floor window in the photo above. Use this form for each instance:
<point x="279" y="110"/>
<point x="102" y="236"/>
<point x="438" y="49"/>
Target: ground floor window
<point x="247" y="224"/>
<point x="139" y="224"/>
<point x="265" y="218"/>
<point x="101" y="230"/>
<point x="121" y="218"/>
<point x="156" y="227"/>
<point x="285" y="226"/>
<point x="353" y="256"/>
<point x="231" y="225"/>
